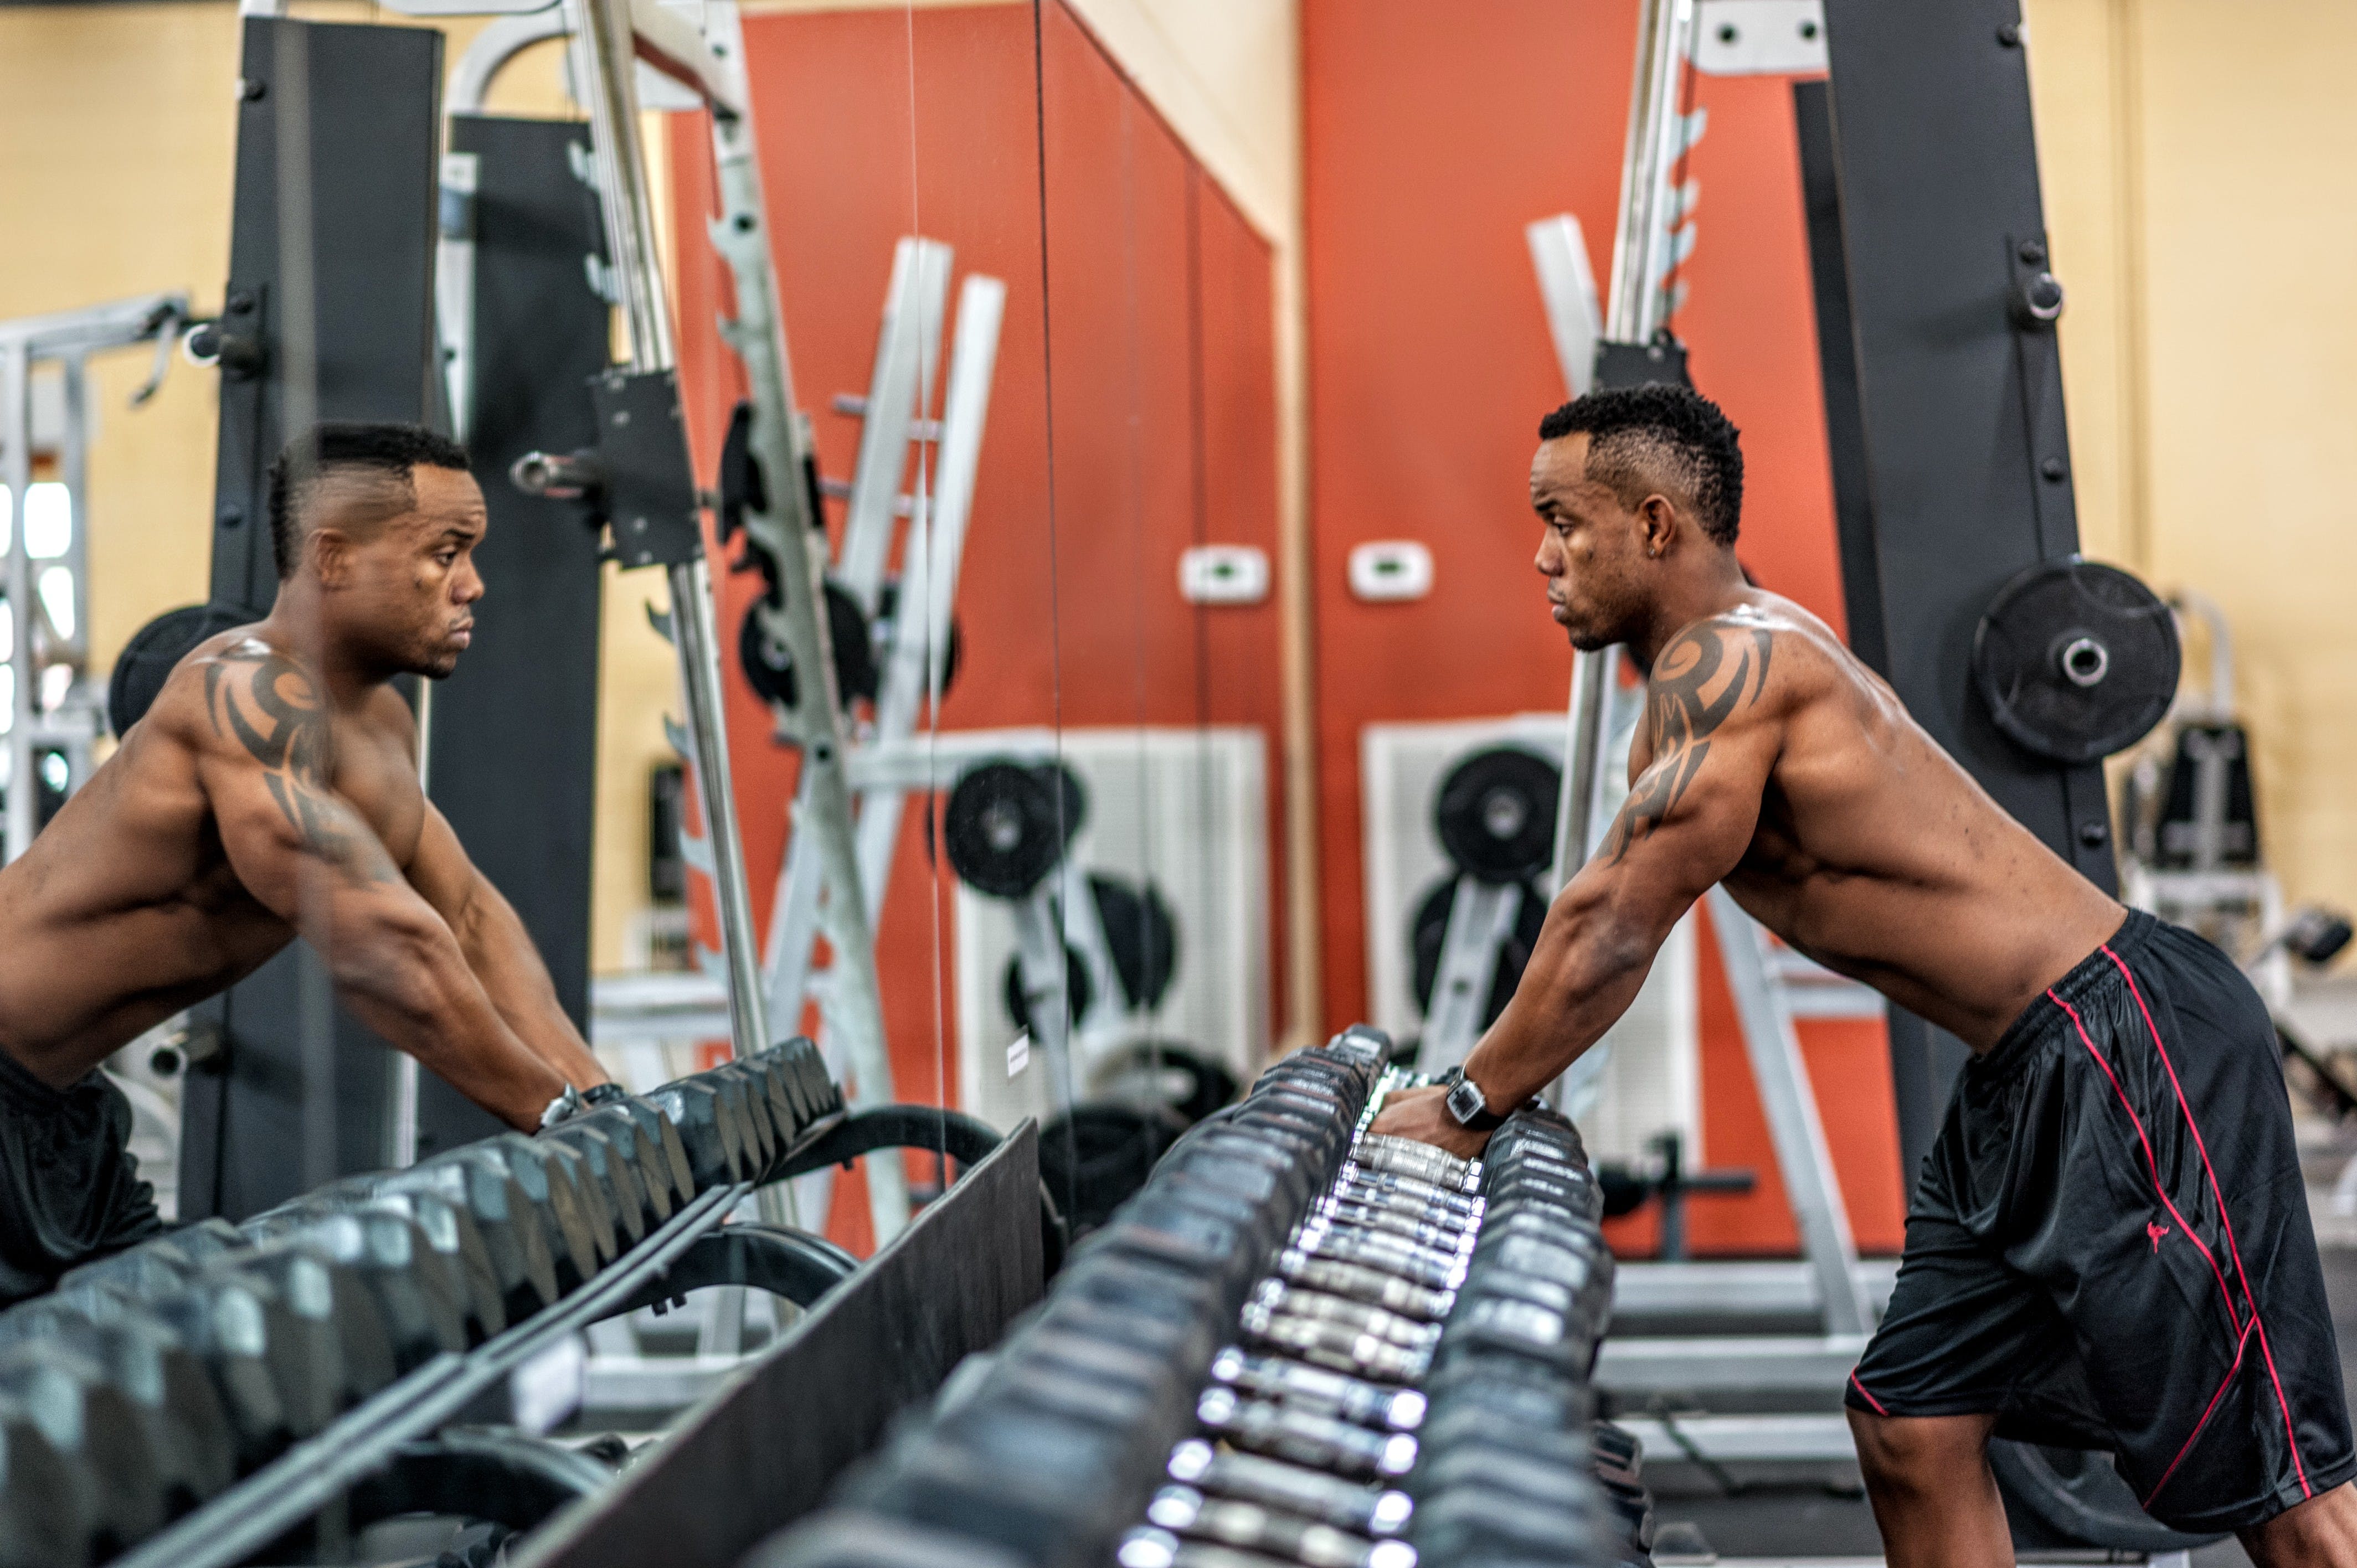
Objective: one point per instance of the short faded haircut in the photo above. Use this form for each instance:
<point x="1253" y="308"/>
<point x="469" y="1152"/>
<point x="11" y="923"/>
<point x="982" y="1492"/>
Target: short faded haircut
<point x="384" y="452"/>
<point x="1644" y="440"/>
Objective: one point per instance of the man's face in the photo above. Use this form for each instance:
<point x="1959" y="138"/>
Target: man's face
<point x="410" y="585"/>
<point x="1592" y="553"/>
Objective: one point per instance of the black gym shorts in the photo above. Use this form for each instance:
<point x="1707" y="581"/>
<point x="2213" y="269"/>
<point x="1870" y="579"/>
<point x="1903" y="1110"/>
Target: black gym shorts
<point x="69" y="1190"/>
<point x="2109" y="1247"/>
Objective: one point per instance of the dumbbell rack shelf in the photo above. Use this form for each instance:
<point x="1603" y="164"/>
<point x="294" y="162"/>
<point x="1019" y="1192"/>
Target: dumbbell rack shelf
<point x="1297" y="1344"/>
<point x="316" y="1471"/>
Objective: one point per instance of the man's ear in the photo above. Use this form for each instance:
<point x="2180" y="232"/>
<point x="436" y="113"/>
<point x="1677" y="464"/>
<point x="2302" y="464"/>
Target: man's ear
<point x="330" y="550"/>
<point x="1657" y="526"/>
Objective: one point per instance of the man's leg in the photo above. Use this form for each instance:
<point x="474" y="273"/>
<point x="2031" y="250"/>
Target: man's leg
<point x="2318" y="1532"/>
<point x="1934" y="1499"/>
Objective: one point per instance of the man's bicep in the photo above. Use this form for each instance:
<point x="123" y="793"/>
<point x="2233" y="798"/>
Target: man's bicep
<point x="1712" y="737"/>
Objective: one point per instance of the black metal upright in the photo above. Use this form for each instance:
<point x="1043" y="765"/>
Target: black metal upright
<point x="1953" y="425"/>
<point x="512" y="753"/>
<point x="330" y="295"/>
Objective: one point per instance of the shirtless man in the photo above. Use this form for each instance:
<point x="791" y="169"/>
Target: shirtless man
<point x="272" y="790"/>
<point x="2109" y="1247"/>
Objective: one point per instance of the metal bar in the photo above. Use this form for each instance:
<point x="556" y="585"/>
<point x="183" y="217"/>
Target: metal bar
<point x="17" y="429"/>
<point x="299" y="1482"/>
<point x="501" y="40"/>
<point x="117" y="324"/>
<point x="788" y="535"/>
<point x="1774" y="1047"/>
<point x="915" y="663"/>
<point x="1741" y="1439"/>
<point x="1735" y="1290"/>
<point x="908" y="347"/>
<point x="1640" y="1368"/>
<point x="1567" y="289"/>
<point x="602" y="56"/>
<point x="1481" y="918"/>
<point x="1635" y="306"/>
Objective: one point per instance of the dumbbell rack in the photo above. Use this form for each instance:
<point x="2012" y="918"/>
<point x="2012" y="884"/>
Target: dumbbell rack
<point x="193" y="1399"/>
<point x="1297" y="1343"/>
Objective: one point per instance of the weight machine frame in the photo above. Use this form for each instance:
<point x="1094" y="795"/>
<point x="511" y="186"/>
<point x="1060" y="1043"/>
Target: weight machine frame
<point x="67" y="340"/>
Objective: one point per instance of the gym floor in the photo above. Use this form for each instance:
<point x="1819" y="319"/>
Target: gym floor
<point x="1801" y="1517"/>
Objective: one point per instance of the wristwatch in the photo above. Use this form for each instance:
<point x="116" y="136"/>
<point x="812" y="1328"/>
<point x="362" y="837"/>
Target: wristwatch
<point x="1466" y="1105"/>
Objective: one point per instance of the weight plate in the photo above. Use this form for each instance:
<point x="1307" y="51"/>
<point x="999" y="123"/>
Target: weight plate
<point x="1078" y="991"/>
<point x="1429" y="933"/>
<point x="1496" y="814"/>
<point x="2081" y="1499"/>
<point x="148" y="660"/>
<point x="2076" y="659"/>
<point x="1138" y="929"/>
<point x="770" y="666"/>
<point x="1002" y="828"/>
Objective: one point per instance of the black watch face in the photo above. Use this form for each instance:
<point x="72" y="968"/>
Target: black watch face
<point x="1465" y="1102"/>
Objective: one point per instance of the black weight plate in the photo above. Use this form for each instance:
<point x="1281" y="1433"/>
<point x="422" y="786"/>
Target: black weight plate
<point x="769" y="667"/>
<point x="1002" y="830"/>
<point x="2076" y="659"/>
<point x="1078" y="991"/>
<point x="1496" y="814"/>
<point x="887" y="606"/>
<point x="1429" y="934"/>
<point x="2081" y="1499"/>
<point x="148" y="660"/>
<point x="1144" y="939"/>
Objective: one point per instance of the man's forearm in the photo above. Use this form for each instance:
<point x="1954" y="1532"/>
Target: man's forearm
<point x="500" y="953"/>
<point x="1585" y="971"/>
<point x="413" y="987"/>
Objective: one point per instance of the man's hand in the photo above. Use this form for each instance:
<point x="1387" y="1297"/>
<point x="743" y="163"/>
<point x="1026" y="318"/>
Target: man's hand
<point x="1419" y="1113"/>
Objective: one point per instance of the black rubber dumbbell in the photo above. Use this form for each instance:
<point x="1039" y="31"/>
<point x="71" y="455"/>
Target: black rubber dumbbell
<point x="450" y="1230"/>
<point x="515" y="1232"/>
<point x="110" y="1441"/>
<point x="45" y="1507"/>
<point x="193" y="1442"/>
<point x="545" y="1174"/>
<point x="619" y="1184"/>
<point x="330" y="1299"/>
<point x="418" y="1292"/>
<point x="710" y="1131"/>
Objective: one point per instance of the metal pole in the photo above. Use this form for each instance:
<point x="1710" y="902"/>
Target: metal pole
<point x="788" y="535"/>
<point x="16" y="428"/>
<point x="604" y="65"/>
<point x="1634" y="309"/>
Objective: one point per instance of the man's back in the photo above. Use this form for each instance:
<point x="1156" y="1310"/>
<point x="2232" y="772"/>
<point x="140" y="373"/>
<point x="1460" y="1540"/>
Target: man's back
<point x="1873" y="851"/>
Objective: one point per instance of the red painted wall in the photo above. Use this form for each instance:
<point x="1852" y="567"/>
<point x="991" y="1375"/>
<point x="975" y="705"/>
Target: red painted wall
<point x="1132" y="412"/>
<point x="1432" y="134"/>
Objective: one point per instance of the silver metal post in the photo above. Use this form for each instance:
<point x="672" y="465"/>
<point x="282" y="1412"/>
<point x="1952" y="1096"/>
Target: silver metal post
<point x="1794" y="1125"/>
<point x="787" y="534"/>
<point x="16" y="428"/>
<point x="1635" y="307"/>
<point x="604" y="65"/>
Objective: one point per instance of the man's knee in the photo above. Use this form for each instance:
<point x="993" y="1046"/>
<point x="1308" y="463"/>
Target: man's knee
<point x="1918" y="1453"/>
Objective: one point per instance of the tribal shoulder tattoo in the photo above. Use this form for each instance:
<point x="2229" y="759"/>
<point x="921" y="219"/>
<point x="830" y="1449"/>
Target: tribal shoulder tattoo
<point x="1706" y="672"/>
<point x="270" y="706"/>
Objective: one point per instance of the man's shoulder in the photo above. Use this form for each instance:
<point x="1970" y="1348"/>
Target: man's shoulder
<point x="240" y="697"/>
<point x="1765" y="654"/>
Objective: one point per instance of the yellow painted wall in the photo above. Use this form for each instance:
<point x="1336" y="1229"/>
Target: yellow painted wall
<point x="2203" y="209"/>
